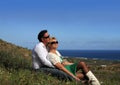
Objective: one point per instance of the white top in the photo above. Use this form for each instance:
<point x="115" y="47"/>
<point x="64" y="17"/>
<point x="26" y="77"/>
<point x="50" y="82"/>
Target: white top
<point x="54" y="58"/>
<point x="39" y="54"/>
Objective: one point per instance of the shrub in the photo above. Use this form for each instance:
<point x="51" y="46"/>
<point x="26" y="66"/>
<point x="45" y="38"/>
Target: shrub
<point x="13" y="61"/>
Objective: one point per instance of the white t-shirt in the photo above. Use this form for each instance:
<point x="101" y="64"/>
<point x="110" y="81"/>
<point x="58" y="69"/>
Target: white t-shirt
<point x="54" y="58"/>
<point x="39" y="54"/>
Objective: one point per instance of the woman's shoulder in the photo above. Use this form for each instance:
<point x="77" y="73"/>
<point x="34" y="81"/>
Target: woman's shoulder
<point x="58" y="53"/>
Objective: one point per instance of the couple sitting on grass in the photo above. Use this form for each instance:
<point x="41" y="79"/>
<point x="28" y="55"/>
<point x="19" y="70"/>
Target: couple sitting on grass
<point x="46" y="58"/>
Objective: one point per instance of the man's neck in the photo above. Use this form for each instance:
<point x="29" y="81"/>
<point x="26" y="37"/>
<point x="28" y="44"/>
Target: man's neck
<point x="44" y="43"/>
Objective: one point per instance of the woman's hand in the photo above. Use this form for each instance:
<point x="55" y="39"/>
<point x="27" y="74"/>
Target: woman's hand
<point x="65" y="62"/>
<point x="76" y="78"/>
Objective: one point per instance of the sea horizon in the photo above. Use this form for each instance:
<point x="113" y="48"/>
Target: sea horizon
<point x="92" y="54"/>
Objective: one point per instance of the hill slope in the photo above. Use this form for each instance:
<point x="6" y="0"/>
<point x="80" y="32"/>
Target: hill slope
<point x="14" y="57"/>
<point x="13" y="49"/>
<point x="15" y="68"/>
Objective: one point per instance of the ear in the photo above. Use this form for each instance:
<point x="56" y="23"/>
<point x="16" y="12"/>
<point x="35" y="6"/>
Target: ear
<point x="42" y="39"/>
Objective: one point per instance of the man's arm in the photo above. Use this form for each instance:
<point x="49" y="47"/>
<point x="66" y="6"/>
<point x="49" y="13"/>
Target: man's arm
<point x="42" y="57"/>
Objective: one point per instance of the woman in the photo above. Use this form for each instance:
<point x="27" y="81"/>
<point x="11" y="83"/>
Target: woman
<point x="70" y="68"/>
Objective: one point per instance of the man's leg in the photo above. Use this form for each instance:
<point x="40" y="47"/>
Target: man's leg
<point x="57" y="73"/>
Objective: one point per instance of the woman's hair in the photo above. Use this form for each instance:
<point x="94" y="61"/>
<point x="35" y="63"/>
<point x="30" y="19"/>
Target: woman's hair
<point x="51" y="39"/>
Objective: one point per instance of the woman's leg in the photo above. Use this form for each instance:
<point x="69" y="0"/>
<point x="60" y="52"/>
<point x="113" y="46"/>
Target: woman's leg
<point x="80" y="75"/>
<point x="83" y="67"/>
<point x="87" y="74"/>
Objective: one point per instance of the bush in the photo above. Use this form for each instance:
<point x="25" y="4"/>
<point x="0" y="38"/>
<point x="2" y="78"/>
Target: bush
<point x="14" y="61"/>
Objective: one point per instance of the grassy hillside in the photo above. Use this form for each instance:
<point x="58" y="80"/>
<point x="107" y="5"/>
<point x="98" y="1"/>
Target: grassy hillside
<point x="15" y="69"/>
<point x="8" y="47"/>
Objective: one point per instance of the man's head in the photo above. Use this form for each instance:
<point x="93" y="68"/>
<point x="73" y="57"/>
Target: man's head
<point x="43" y="36"/>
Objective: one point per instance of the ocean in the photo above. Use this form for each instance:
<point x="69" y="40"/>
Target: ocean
<point x="92" y="54"/>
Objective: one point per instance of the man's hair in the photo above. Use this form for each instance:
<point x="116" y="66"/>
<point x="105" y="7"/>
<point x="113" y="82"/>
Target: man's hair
<point x="41" y="35"/>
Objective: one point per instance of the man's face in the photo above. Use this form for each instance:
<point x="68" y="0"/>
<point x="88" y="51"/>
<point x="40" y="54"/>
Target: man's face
<point x="46" y="37"/>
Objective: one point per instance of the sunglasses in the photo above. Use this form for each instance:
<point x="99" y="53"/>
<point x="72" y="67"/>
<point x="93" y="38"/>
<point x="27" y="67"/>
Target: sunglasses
<point x="54" y="42"/>
<point x="47" y="37"/>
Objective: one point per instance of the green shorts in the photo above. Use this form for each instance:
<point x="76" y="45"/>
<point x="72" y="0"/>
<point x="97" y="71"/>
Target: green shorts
<point x="72" y="68"/>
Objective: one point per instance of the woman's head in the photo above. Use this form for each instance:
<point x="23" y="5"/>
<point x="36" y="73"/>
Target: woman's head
<point x="53" y="44"/>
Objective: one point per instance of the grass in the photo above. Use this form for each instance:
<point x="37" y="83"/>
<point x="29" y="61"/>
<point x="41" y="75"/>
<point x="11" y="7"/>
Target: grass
<point x="15" y="68"/>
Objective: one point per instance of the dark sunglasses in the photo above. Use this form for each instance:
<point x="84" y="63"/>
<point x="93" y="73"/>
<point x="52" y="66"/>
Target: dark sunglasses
<point x="47" y="37"/>
<point x="54" y="42"/>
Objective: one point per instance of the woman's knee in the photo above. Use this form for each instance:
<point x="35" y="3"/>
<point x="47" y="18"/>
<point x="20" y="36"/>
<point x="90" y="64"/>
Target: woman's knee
<point x="82" y="63"/>
<point x="84" y="66"/>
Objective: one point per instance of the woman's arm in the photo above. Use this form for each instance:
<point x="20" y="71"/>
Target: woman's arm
<point x="65" y="62"/>
<point x="55" y="60"/>
<point x="61" y="67"/>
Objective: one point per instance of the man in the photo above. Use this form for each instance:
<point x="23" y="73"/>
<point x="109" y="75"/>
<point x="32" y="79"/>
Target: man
<point x="39" y="60"/>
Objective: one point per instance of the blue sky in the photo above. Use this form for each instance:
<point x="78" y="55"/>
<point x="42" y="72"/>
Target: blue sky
<point x="77" y="24"/>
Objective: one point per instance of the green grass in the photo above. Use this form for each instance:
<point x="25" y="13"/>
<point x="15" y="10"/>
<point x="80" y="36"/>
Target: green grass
<point x="15" y="69"/>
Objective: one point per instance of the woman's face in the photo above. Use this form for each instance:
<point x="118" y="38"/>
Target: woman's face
<point x="54" y="44"/>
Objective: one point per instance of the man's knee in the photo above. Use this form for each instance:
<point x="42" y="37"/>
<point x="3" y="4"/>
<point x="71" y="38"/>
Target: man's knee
<point x="64" y="76"/>
<point x="60" y="74"/>
<point x="57" y="73"/>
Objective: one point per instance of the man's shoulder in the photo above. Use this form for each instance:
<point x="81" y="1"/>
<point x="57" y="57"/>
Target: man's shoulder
<point x="40" y="44"/>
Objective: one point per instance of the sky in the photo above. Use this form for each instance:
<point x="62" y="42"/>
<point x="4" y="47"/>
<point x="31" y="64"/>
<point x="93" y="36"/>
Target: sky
<point x="77" y="24"/>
